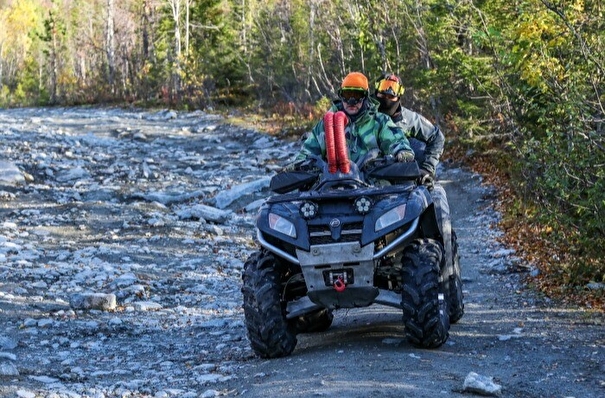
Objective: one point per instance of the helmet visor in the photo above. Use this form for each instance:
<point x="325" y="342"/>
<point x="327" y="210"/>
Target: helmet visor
<point x="352" y="96"/>
<point x="391" y="86"/>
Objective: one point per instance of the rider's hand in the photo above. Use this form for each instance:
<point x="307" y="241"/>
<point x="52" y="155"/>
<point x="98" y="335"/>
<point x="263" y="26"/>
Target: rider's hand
<point x="427" y="178"/>
<point x="308" y="165"/>
<point x="293" y="166"/>
<point x="405" y="156"/>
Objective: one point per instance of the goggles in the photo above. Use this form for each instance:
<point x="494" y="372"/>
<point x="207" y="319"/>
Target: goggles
<point x="390" y="85"/>
<point x="352" y="96"/>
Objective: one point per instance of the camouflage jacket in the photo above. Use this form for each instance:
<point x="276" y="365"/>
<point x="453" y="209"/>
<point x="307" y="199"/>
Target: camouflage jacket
<point x="370" y="130"/>
<point x="418" y="127"/>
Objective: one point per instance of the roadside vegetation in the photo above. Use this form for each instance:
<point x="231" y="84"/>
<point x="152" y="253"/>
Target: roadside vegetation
<point x="518" y="88"/>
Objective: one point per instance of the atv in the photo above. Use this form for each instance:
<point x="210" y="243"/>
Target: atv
<point x="368" y="234"/>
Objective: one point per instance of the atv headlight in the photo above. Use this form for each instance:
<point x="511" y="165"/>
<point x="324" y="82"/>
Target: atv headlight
<point x="362" y="205"/>
<point x="280" y="224"/>
<point x="390" y="217"/>
<point x="309" y="210"/>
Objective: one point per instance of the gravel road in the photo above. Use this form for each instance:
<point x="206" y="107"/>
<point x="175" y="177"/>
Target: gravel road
<point x="122" y="239"/>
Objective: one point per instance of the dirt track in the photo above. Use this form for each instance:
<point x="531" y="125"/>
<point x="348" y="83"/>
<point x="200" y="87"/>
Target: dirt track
<point x="113" y="209"/>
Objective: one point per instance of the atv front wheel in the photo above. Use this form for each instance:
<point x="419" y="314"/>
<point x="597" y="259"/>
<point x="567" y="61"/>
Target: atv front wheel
<point x="425" y="312"/>
<point x="269" y="332"/>
<point x="456" y="298"/>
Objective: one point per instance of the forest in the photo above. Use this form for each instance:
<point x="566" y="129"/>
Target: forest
<point x="516" y="86"/>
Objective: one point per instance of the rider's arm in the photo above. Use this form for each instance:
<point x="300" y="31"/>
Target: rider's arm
<point x="392" y="138"/>
<point x="315" y="144"/>
<point x="423" y="130"/>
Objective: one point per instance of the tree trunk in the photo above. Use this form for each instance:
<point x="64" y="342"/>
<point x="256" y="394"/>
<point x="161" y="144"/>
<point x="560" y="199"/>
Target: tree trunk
<point x="187" y="9"/>
<point x="53" y="62"/>
<point x="175" y="5"/>
<point x="110" y="45"/>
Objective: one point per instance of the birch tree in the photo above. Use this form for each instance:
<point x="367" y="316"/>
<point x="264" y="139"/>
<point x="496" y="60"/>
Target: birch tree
<point x="110" y="43"/>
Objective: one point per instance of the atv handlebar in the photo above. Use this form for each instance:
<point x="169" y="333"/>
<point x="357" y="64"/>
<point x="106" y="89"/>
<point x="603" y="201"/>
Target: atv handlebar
<point x="313" y="173"/>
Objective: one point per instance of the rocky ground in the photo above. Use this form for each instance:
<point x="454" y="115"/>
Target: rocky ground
<point x="122" y="239"/>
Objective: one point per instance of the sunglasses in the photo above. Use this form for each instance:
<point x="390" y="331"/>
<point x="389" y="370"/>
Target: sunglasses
<point x="352" y="97"/>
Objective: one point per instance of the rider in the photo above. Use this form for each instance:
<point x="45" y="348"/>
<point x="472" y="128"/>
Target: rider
<point x="422" y="134"/>
<point x="366" y="128"/>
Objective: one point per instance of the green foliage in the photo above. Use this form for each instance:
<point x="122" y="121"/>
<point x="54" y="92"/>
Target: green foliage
<point x="555" y="94"/>
<point x="5" y="97"/>
<point x="322" y="105"/>
<point x="17" y="48"/>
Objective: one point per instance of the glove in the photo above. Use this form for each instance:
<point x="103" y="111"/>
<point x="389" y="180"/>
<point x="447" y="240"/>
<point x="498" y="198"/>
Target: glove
<point x="427" y="179"/>
<point x="405" y="156"/>
<point x="292" y="166"/>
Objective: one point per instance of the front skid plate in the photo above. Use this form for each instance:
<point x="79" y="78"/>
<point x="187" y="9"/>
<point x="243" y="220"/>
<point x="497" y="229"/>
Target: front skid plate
<point x="304" y="305"/>
<point x="332" y="259"/>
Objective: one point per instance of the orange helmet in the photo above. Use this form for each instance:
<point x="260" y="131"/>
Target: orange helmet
<point x="355" y="81"/>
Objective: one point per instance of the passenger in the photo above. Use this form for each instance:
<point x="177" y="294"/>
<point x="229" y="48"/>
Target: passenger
<point x="426" y="139"/>
<point x="430" y="139"/>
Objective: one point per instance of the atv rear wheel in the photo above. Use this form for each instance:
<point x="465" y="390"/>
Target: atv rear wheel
<point x="425" y="312"/>
<point x="269" y="332"/>
<point x="456" y="298"/>
<point x="317" y="321"/>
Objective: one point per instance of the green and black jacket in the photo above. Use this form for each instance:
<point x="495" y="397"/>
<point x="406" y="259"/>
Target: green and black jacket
<point x="370" y="130"/>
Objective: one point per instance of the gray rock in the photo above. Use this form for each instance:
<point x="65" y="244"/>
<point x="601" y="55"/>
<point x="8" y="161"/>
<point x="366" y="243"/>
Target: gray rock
<point x="76" y="173"/>
<point x="44" y="323"/>
<point x="93" y="301"/>
<point x="595" y="286"/>
<point x="254" y="206"/>
<point x="8" y="369"/>
<point x="44" y="379"/>
<point x="204" y="212"/>
<point x="169" y="198"/>
<point x="10" y="174"/>
<point x="209" y="378"/>
<point x="125" y="280"/>
<point x="263" y="142"/>
<point x="210" y="394"/>
<point x="8" y="355"/>
<point x="7" y="195"/>
<point x="6" y="343"/>
<point x="146" y="306"/>
<point x="225" y="198"/>
<point x="482" y="385"/>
